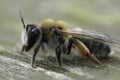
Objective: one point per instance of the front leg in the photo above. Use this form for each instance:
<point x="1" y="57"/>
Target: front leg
<point x="35" y="53"/>
<point x="58" y="52"/>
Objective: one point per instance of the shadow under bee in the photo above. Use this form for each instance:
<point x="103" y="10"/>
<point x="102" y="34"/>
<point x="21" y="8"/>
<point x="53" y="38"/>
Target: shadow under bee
<point x="49" y="63"/>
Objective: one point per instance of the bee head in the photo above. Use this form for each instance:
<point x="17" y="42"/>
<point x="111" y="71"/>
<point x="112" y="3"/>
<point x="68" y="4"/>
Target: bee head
<point x="30" y="35"/>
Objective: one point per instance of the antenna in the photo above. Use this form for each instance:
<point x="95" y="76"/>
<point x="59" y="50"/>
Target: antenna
<point x="21" y="17"/>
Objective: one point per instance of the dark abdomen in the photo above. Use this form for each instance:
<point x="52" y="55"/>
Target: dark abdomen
<point x="99" y="49"/>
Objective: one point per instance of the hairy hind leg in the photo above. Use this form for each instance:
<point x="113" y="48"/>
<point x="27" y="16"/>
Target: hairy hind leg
<point x="84" y="51"/>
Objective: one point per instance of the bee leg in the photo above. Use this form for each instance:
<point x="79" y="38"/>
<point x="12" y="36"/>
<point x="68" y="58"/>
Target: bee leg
<point x="58" y="54"/>
<point x="69" y="46"/>
<point x="34" y="55"/>
<point x="85" y="52"/>
<point x="23" y="47"/>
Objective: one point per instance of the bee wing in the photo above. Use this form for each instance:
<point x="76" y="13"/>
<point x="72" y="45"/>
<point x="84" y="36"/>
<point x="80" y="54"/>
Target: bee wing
<point x="78" y="32"/>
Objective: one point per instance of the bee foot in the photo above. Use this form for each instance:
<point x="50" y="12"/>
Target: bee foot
<point x="33" y="66"/>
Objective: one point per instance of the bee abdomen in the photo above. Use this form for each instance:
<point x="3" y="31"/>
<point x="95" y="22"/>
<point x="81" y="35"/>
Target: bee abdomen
<point x="99" y="49"/>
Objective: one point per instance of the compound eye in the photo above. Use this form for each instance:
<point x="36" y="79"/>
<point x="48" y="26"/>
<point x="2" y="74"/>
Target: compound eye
<point x="31" y="36"/>
<point x="30" y="27"/>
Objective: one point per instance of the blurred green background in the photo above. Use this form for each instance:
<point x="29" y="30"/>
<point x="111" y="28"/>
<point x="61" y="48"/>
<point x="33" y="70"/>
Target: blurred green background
<point x="99" y="15"/>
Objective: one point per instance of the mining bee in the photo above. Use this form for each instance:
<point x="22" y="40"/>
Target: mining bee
<point x="58" y="36"/>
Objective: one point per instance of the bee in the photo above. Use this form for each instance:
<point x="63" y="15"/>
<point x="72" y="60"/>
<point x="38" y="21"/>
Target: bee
<point x="59" y="37"/>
